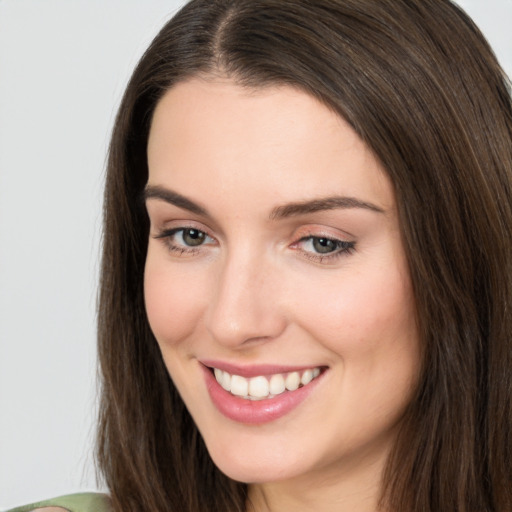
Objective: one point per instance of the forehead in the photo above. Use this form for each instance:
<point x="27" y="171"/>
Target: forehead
<point x="274" y="138"/>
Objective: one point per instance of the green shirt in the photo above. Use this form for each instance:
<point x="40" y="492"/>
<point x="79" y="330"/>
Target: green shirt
<point x="86" y="502"/>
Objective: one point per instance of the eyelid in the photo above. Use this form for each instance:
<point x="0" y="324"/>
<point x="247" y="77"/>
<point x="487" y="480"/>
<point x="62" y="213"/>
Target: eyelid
<point x="165" y="226"/>
<point x="162" y="214"/>
<point x="167" y="232"/>
<point x="323" y="230"/>
<point x="308" y="233"/>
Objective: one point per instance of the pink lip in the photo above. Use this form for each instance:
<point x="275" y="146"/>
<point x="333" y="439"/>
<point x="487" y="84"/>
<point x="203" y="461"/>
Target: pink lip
<point x="255" y="411"/>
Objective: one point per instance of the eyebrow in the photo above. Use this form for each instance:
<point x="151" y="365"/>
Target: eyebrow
<point x="171" y="197"/>
<point x="326" y="203"/>
<point x="280" y="212"/>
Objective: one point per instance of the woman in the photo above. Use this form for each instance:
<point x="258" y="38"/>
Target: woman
<point x="308" y="225"/>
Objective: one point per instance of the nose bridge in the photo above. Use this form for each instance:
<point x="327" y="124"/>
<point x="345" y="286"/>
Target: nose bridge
<point x="245" y="305"/>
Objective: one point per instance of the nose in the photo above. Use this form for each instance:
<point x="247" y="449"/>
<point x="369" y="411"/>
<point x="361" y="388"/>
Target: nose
<point x="246" y="306"/>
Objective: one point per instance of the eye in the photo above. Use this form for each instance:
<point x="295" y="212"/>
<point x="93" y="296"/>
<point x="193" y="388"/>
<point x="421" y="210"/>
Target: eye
<point x="324" y="245"/>
<point x="191" y="237"/>
<point x="323" y="248"/>
<point x="184" y="240"/>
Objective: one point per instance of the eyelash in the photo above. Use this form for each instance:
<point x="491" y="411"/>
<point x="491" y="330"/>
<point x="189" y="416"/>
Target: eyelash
<point x="342" y="247"/>
<point x="168" y="235"/>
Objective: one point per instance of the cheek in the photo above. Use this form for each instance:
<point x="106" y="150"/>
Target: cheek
<point x="368" y="312"/>
<point x="173" y="302"/>
<point x="368" y="325"/>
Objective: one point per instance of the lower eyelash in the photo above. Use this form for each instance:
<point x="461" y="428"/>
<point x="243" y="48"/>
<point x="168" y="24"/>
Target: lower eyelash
<point x="166" y="238"/>
<point x="347" y="249"/>
<point x="336" y="255"/>
<point x="179" y="250"/>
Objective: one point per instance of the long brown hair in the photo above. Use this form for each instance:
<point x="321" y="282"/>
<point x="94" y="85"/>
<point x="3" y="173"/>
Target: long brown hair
<point x="420" y="85"/>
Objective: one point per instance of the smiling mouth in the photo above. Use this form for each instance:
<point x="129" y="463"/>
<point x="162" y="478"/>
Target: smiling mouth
<point x="263" y="387"/>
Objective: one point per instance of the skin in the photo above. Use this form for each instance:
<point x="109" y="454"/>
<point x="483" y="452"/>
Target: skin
<point x="257" y="291"/>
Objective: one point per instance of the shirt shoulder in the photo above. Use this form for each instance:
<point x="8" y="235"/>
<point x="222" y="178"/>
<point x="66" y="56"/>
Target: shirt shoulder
<point x="84" y="502"/>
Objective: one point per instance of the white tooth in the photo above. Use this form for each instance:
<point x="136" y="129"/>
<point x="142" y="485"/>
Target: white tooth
<point x="292" y="381"/>
<point x="226" y="381"/>
<point x="316" y="373"/>
<point x="239" y="385"/>
<point x="307" y="377"/>
<point x="258" y="387"/>
<point x="218" y="375"/>
<point x="277" y="384"/>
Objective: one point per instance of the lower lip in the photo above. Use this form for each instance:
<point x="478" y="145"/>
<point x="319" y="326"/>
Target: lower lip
<point x="256" y="411"/>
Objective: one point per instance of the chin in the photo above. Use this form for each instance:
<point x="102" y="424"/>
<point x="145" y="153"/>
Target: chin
<point x="250" y="472"/>
<point x="255" y="464"/>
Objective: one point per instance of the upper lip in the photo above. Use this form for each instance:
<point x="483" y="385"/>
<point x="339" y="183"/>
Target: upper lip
<point x="256" y="370"/>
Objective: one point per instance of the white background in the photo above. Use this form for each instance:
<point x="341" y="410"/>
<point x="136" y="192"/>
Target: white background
<point x="63" y="67"/>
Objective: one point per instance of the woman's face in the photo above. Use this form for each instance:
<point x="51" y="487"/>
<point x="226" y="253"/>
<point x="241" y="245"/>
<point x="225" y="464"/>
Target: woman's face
<point x="275" y="262"/>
